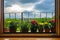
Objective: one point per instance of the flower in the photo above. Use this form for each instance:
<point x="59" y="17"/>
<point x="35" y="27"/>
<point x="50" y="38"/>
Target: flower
<point x="45" y="22"/>
<point x="33" y="22"/>
<point x="9" y="21"/>
<point x="41" y="23"/>
<point x="52" y="20"/>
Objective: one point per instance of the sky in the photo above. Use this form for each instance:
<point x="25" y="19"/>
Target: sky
<point x="34" y="6"/>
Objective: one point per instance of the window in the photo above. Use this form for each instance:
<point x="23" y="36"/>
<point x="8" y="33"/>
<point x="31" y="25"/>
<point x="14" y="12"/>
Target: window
<point x="30" y="18"/>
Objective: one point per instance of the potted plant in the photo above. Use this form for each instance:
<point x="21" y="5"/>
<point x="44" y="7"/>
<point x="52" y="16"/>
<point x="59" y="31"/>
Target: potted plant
<point x="40" y="27"/>
<point x="24" y="28"/>
<point x="6" y="28"/>
<point x="13" y="27"/>
<point x="33" y="27"/>
<point x="53" y="29"/>
<point x="46" y="27"/>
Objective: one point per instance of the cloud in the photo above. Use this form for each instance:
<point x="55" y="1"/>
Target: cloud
<point x="19" y="7"/>
<point x="28" y="5"/>
<point x="46" y="6"/>
<point x="10" y="2"/>
<point x="16" y="6"/>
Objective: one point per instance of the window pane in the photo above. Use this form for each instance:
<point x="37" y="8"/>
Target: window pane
<point x="26" y="16"/>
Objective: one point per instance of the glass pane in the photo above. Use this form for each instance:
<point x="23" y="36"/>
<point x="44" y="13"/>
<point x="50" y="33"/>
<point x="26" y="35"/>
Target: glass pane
<point x="26" y="16"/>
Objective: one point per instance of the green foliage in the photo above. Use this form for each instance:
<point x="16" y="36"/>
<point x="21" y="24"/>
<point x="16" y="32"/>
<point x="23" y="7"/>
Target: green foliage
<point x="24" y="24"/>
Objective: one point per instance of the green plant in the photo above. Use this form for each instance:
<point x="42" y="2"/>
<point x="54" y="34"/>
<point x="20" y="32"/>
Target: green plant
<point x="13" y="27"/>
<point x="24" y="27"/>
<point x="34" y="26"/>
<point x="46" y="27"/>
<point x="8" y="20"/>
<point x="53" y="28"/>
<point x="40" y="27"/>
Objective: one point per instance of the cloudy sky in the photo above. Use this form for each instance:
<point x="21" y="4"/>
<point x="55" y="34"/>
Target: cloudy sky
<point x="16" y="6"/>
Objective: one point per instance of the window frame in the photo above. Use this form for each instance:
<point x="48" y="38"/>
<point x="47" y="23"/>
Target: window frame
<point x="2" y="34"/>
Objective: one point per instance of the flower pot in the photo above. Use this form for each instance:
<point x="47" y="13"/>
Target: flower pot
<point x="40" y="30"/>
<point x="12" y="30"/>
<point x="53" y="29"/>
<point x="47" y="30"/>
<point x="12" y="27"/>
<point x="6" y="30"/>
<point x="33" y="29"/>
<point x="24" y="30"/>
<point x="34" y="26"/>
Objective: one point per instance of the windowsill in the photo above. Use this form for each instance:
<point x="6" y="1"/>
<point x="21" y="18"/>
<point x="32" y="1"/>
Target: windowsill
<point x="28" y="35"/>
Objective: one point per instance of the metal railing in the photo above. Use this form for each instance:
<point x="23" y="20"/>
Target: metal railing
<point x="28" y="15"/>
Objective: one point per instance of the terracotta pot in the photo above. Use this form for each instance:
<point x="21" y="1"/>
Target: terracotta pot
<point x="47" y="30"/>
<point x="6" y="30"/>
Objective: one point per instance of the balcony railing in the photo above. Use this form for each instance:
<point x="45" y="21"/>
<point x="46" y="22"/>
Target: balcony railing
<point x="27" y="16"/>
